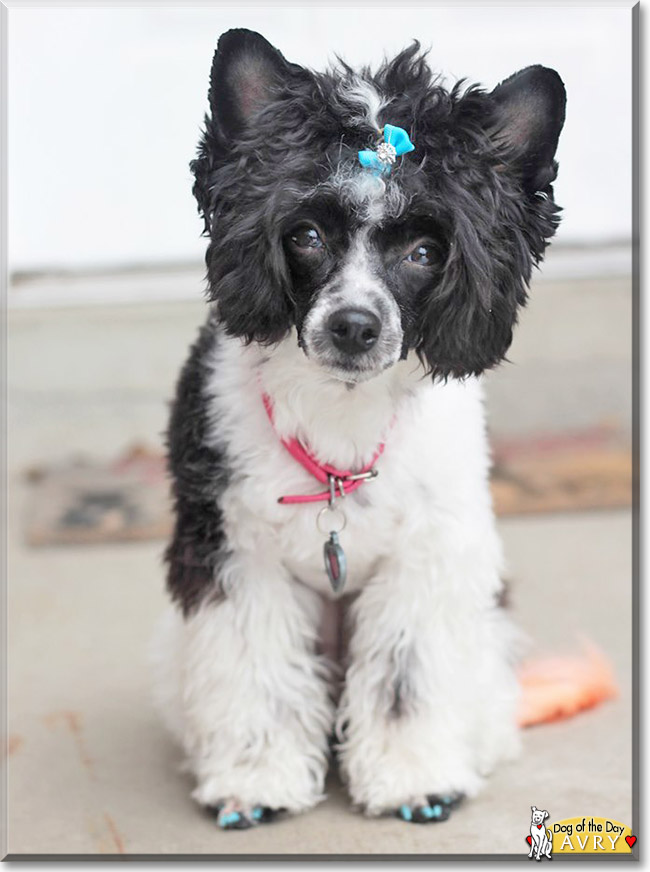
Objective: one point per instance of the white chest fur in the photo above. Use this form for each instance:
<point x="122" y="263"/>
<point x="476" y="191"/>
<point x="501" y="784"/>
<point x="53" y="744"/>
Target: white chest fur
<point x="432" y="474"/>
<point x="429" y="695"/>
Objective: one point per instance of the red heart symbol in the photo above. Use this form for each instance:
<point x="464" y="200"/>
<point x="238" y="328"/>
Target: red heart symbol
<point x="630" y="840"/>
<point x="529" y="839"/>
<point x="539" y="826"/>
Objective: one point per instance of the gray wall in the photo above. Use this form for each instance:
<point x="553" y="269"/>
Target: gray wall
<point x="106" y="105"/>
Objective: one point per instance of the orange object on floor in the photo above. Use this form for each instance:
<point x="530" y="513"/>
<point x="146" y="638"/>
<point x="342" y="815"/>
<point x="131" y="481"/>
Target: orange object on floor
<point x="559" y="687"/>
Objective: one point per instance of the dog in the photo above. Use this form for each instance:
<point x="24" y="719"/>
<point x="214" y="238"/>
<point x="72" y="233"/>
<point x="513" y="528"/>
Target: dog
<point x="541" y="843"/>
<point x="371" y="239"/>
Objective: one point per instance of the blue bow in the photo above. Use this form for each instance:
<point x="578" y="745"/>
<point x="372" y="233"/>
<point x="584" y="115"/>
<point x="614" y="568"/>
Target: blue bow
<point x="396" y="143"/>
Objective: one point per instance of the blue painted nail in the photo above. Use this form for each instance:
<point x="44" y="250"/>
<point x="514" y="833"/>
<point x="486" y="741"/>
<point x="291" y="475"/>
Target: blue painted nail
<point x="447" y="800"/>
<point x="257" y="813"/>
<point x="436" y="810"/>
<point x="406" y="812"/>
<point x="427" y="811"/>
<point x="231" y="818"/>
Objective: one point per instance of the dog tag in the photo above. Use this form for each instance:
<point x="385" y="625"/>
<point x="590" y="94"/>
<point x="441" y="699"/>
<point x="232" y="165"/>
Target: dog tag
<point x="335" y="563"/>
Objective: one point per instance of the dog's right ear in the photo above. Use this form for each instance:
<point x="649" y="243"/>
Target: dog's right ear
<point x="246" y="70"/>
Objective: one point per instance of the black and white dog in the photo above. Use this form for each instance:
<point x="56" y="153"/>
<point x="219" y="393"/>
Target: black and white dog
<point x="371" y="241"/>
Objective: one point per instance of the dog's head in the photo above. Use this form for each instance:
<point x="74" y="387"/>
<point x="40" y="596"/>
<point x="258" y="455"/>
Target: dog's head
<point x="538" y="815"/>
<point x="434" y="256"/>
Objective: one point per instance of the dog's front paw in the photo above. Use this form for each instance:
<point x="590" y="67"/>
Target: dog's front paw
<point x="429" y="809"/>
<point x="234" y="815"/>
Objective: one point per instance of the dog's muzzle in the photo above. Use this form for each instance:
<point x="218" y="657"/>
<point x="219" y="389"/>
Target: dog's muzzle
<point x="355" y="339"/>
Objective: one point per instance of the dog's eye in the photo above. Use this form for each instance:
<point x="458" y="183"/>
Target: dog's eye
<point x="306" y="238"/>
<point x="421" y="255"/>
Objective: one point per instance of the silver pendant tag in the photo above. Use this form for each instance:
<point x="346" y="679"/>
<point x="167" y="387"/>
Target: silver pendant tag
<point x="335" y="562"/>
<point x="332" y="515"/>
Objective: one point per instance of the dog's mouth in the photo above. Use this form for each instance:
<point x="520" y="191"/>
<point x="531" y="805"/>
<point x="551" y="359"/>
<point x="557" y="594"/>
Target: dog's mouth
<point x="354" y="337"/>
<point x="356" y="366"/>
<point x="349" y="370"/>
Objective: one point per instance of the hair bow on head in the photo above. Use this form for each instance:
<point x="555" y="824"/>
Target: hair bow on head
<point x="396" y="142"/>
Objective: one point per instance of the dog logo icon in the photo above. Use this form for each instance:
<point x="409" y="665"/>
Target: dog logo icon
<point x="540" y="839"/>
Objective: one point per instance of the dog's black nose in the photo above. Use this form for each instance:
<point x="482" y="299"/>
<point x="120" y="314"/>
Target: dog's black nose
<point x="354" y="331"/>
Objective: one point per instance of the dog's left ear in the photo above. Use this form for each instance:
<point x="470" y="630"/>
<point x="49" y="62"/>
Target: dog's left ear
<point x="529" y="116"/>
<point x="246" y="70"/>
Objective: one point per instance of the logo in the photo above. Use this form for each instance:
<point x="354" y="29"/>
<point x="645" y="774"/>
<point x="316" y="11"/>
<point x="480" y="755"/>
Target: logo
<point x="540" y="839"/>
<point x="579" y="835"/>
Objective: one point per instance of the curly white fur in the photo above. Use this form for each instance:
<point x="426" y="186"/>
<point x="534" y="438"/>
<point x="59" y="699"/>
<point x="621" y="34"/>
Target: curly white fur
<point x="241" y="680"/>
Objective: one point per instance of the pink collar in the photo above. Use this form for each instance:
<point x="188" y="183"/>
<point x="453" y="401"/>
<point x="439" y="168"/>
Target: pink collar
<point x="341" y="482"/>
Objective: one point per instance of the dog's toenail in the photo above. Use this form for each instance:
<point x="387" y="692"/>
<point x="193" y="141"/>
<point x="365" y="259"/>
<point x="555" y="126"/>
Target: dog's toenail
<point x="257" y="813"/>
<point x="406" y="812"/>
<point x="227" y="819"/>
<point x="436" y="811"/>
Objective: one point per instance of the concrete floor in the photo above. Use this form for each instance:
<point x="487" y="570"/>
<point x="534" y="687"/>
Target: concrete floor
<point x="90" y="770"/>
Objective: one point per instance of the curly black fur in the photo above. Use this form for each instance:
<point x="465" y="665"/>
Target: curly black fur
<point x="481" y="170"/>
<point x="199" y="476"/>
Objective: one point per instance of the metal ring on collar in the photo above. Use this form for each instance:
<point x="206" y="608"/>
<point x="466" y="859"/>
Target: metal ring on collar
<point x="334" y="511"/>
